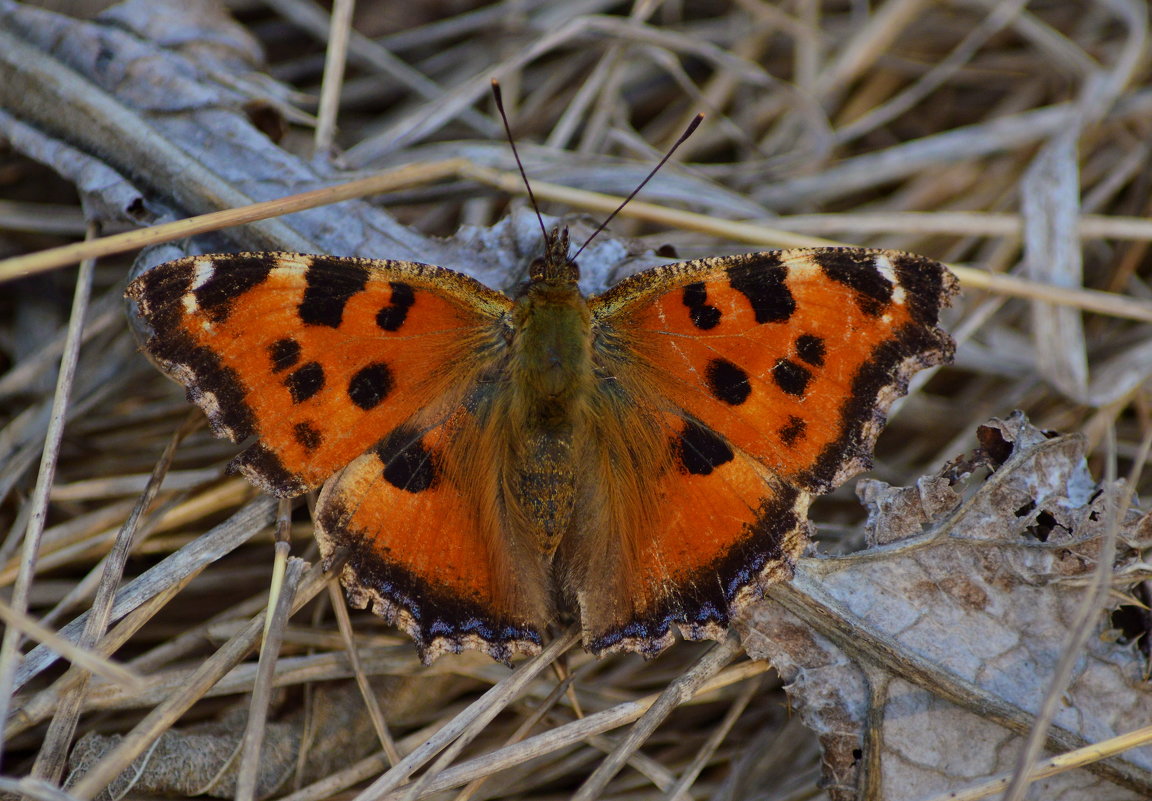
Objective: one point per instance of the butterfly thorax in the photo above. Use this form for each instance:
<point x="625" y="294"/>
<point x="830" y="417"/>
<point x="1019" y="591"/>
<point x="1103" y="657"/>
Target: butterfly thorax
<point x="551" y="351"/>
<point x="551" y="376"/>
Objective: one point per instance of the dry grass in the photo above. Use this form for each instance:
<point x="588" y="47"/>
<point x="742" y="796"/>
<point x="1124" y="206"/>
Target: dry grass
<point x="1012" y="142"/>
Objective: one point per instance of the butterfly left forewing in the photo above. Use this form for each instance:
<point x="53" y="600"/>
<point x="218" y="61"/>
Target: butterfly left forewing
<point x="315" y="357"/>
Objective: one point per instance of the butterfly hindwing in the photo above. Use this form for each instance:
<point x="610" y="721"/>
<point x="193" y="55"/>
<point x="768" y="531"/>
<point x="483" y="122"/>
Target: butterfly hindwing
<point x="427" y="550"/>
<point x="315" y="357"/>
<point x="716" y="527"/>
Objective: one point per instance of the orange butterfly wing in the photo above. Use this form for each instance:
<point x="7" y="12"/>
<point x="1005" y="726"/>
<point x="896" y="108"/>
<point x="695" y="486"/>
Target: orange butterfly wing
<point x="768" y="377"/>
<point x="794" y="355"/>
<point x="427" y="548"/>
<point x="317" y="358"/>
<point x="324" y="356"/>
<point x="695" y="533"/>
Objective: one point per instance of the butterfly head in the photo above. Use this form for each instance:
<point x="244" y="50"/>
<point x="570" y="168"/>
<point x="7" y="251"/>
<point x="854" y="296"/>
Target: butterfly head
<point x="555" y="266"/>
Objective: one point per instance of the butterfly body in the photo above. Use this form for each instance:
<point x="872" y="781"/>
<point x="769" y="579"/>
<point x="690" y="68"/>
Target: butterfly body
<point x="643" y="458"/>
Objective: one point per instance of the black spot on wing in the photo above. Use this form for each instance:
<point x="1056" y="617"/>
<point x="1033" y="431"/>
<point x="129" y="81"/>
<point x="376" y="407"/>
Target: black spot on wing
<point x="229" y="280"/>
<point x="791" y="377"/>
<point x="392" y="316"/>
<point x="793" y="431"/>
<point x="283" y="353"/>
<point x="370" y="385"/>
<point x="407" y="463"/>
<point x="703" y="316"/>
<point x="304" y="382"/>
<point x="727" y="382"/>
<point x="811" y="349"/>
<point x="762" y="279"/>
<point x="700" y="450"/>
<point x="307" y="435"/>
<point x="330" y="284"/>
<point x="857" y="269"/>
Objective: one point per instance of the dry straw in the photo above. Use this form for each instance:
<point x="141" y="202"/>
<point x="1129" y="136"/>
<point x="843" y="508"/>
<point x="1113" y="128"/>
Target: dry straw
<point x="141" y="595"/>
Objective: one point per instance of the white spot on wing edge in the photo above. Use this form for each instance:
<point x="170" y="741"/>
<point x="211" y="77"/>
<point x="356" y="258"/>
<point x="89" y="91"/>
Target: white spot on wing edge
<point x="210" y="404"/>
<point x="202" y="271"/>
<point x="884" y="266"/>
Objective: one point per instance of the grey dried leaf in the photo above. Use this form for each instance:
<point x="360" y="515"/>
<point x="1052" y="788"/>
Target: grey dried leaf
<point x="895" y="513"/>
<point x="919" y="660"/>
<point x="200" y="760"/>
<point x="172" y="119"/>
<point x="203" y="759"/>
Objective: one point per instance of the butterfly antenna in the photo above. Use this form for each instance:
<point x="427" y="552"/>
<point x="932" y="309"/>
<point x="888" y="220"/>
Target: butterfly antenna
<point x="499" y="98"/>
<point x="692" y="126"/>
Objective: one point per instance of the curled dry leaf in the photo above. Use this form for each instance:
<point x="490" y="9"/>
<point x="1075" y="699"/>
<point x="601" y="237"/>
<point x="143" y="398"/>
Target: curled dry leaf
<point x="920" y="660"/>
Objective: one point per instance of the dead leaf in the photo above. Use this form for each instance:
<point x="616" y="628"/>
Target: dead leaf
<point x="920" y="659"/>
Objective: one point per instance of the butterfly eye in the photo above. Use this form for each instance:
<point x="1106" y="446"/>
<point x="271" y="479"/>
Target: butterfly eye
<point x="536" y="268"/>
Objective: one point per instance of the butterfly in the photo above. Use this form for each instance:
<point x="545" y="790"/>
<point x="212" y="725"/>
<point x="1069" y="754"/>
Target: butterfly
<point x="644" y="458"/>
